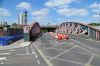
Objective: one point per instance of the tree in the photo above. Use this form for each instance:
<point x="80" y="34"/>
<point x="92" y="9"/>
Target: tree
<point x="14" y="24"/>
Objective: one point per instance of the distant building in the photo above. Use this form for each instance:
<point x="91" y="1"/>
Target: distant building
<point x="22" y="19"/>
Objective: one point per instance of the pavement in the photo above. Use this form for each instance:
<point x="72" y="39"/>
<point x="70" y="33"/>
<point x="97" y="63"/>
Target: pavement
<point x="17" y="44"/>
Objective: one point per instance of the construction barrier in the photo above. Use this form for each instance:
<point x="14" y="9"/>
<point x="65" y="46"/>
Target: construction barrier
<point x="59" y="36"/>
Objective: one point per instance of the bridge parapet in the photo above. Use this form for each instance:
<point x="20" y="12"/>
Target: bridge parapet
<point x="78" y="29"/>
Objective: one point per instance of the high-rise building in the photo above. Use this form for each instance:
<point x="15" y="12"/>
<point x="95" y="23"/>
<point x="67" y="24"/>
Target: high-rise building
<point x="22" y="19"/>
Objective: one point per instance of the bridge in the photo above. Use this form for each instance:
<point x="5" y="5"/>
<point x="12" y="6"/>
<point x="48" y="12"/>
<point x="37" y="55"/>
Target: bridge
<point x="49" y="28"/>
<point x="74" y="28"/>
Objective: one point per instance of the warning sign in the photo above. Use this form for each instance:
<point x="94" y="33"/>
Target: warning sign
<point x="26" y="29"/>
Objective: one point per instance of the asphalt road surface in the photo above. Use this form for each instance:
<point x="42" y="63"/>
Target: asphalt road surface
<point x="73" y="52"/>
<point x="25" y="56"/>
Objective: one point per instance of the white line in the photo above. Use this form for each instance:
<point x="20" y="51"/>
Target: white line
<point x="81" y="52"/>
<point x="4" y="53"/>
<point x="81" y="47"/>
<point x="43" y="56"/>
<point x="36" y="56"/>
<point x="32" y="49"/>
<point x="70" y="61"/>
<point x="2" y="58"/>
<point x="2" y="63"/>
<point x="27" y="52"/>
<point x="38" y="61"/>
<point x="33" y="53"/>
<point x="90" y="60"/>
<point x="53" y="48"/>
<point x="22" y="54"/>
<point x="63" y="53"/>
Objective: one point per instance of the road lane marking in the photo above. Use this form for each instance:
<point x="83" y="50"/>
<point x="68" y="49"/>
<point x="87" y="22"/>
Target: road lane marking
<point x="32" y="49"/>
<point x="81" y="52"/>
<point x="4" y="53"/>
<point x="22" y="54"/>
<point x="70" y="61"/>
<point x="85" y="49"/>
<point x="27" y="51"/>
<point x="33" y="53"/>
<point x="81" y="47"/>
<point x="38" y="61"/>
<point x="43" y="56"/>
<point x="2" y="63"/>
<point x="62" y="53"/>
<point x="3" y="58"/>
<point x="90" y="60"/>
<point x="36" y="56"/>
<point x="53" y="48"/>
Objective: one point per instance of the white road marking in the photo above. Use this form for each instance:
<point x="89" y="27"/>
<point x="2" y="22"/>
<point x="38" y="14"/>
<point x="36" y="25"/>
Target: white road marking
<point x="27" y="52"/>
<point x="43" y="56"/>
<point x="33" y="53"/>
<point x="2" y="58"/>
<point x="38" y="61"/>
<point x="22" y="54"/>
<point x="90" y="60"/>
<point x="36" y="56"/>
<point x="70" y="61"/>
<point x="81" y="47"/>
<point x="2" y="63"/>
<point x="4" y="53"/>
<point x="81" y="52"/>
<point x="32" y="49"/>
<point x="63" y="53"/>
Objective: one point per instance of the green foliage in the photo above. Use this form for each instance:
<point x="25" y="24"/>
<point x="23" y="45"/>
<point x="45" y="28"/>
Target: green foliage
<point x="14" y="24"/>
<point x="95" y="24"/>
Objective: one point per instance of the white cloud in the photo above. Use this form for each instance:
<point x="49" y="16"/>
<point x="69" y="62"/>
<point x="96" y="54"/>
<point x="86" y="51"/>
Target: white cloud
<point x="4" y="12"/>
<point x="95" y="5"/>
<point x="41" y="15"/>
<point x="72" y="12"/>
<point x="24" y="5"/>
<point x="96" y="16"/>
<point x="54" y="3"/>
<point x="41" y="12"/>
<point x="64" y="6"/>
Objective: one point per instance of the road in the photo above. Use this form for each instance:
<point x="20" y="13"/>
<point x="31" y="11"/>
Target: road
<point x="47" y="51"/>
<point x="25" y="56"/>
<point x="72" y="52"/>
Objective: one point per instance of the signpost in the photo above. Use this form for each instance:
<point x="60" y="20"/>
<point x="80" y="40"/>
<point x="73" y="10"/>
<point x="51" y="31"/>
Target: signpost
<point x="26" y="33"/>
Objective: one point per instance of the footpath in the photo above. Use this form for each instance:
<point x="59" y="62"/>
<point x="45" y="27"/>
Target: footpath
<point x="17" y="44"/>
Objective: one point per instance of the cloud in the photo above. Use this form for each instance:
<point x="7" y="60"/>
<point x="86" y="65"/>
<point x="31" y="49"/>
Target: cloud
<point x="73" y="12"/>
<point x="4" y="12"/>
<point x="54" y="3"/>
<point x="41" y="12"/>
<point x="24" y="5"/>
<point x="95" y="5"/>
<point x="96" y="16"/>
<point x="42" y="15"/>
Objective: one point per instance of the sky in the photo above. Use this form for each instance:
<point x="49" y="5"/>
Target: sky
<point x="51" y="11"/>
